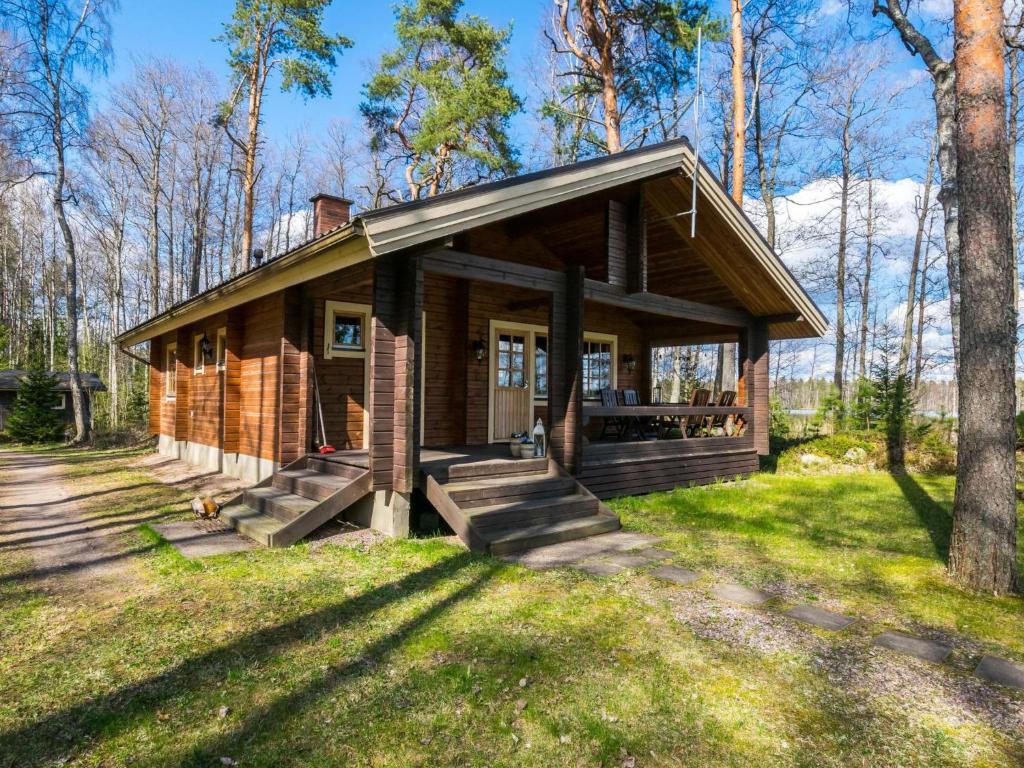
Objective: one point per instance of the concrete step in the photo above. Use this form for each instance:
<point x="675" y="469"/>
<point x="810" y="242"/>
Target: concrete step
<point x="277" y="503"/>
<point x="528" y="512"/>
<point x="335" y="468"/>
<point x="500" y="490"/>
<point x="257" y="526"/>
<point x="309" y="483"/>
<point x="506" y="541"/>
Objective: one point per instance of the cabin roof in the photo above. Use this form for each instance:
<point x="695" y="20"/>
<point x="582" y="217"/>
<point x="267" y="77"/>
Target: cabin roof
<point x="417" y="223"/>
<point x="12" y="378"/>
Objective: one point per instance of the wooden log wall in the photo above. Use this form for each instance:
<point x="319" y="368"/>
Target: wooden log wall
<point x="382" y="372"/>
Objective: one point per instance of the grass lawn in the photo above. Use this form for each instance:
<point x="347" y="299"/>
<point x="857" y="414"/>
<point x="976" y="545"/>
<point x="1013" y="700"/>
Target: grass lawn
<point x="417" y="653"/>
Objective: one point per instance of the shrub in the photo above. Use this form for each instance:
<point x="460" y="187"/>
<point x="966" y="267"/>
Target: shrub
<point x="845" y="448"/>
<point x="33" y="418"/>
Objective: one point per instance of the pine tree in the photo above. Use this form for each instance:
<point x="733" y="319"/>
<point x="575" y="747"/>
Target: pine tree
<point x="34" y="419"/>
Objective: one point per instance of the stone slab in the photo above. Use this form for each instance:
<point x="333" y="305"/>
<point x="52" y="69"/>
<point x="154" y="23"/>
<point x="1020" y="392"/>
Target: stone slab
<point x="599" y="568"/>
<point x="917" y="647"/>
<point x="195" y="539"/>
<point x="1001" y="671"/>
<point x="630" y="560"/>
<point x="657" y="553"/>
<point x="675" y="574"/>
<point x="737" y="593"/>
<point x="819" y="617"/>
<point x="572" y="552"/>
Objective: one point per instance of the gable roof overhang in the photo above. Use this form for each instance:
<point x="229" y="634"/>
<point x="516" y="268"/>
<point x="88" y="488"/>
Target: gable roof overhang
<point x="419" y="223"/>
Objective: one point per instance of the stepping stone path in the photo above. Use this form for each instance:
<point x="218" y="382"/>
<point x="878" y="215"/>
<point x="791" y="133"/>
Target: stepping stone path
<point x="614" y="553"/>
<point x="203" y="538"/>
<point x="737" y="593"/>
<point x="675" y="574"/>
<point x="600" y="568"/>
<point x="629" y="560"/>
<point x="1001" y="671"/>
<point x="656" y="553"/>
<point x="918" y="647"/>
<point x="819" y="617"/>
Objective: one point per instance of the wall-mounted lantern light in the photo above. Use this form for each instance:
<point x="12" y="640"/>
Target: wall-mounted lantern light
<point x="205" y="346"/>
<point x="479" y="350"/>
<point x="629" y="362"/>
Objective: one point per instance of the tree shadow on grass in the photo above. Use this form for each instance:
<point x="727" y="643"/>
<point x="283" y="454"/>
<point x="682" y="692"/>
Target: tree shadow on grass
<point x="933" y="516"/>
<point x="106" y="715"/>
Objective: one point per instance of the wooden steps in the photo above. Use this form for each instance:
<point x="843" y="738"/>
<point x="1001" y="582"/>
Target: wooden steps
<point x="298" y="499"/>
<point x="502" y="506"/>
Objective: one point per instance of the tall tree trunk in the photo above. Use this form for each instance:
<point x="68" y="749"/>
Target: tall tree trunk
<point x="844" y="204"/>
<point x="945" y="120"/>
<point x="915" y="264"/>
<point x="78" y="401"/>
<point x="922" y="296"/>
<point x="154" y="232"/>
<point x="983" y="547"/>
<point x="739" y="102"/>
<point x="1012" y="131"/>
<point x="865" y="293"/>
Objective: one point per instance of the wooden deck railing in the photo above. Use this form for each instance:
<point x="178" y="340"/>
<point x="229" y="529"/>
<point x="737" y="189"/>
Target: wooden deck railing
<point x="668" y="409"/>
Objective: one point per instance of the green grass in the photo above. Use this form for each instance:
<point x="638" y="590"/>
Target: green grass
<point x="411" y="654"/>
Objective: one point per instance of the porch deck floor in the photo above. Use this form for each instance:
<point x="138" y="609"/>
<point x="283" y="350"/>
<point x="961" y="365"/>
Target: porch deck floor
<point x="436" y="460"/>
<point x="355" y="458"/>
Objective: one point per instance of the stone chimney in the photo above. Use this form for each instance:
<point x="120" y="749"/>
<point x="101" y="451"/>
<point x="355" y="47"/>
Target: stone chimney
<point x="329" y="212"/>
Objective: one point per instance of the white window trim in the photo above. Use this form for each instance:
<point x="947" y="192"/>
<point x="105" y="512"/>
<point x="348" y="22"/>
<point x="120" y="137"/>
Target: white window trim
<point x="63" y="401"/>
<point x="222" y="346"/>
<point x="613" y="341"/>
<point x="197" y="355"/>
<point x="332" y="308"/>
<point x="170" y="374"/>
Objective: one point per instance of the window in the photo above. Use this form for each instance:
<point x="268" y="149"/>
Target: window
<point x="597" y="367"/>
<point x="540" y="367"/>
<point x="511" y="360"/>
<point x="198" y="358"/>
<point x="345" y="329"/>
<point x="171" y="371"/>
<point x="59" y="401"/>
<point x="222" y="349"/>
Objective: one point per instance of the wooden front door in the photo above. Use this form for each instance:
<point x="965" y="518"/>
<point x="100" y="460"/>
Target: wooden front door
<point x="511" y="390"/>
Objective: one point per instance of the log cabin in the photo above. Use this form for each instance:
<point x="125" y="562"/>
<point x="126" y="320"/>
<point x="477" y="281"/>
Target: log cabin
<point x="417" y="339"/>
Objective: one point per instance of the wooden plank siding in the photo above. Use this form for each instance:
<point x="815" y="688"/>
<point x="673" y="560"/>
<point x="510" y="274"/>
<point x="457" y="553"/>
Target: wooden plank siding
<point x="235" y="328"/>
<point x="293" y="378"/>
<point x="616" y="243"/>
<point x="408" y="326"/>
<point x="156" y="386"/>
<point x="260" y="382"/>
<point x="342" y="380"/>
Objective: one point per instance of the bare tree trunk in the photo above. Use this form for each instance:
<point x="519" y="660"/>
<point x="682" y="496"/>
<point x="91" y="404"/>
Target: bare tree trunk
<point x="80" y="406"/>
<point x="983" y="547"/>
<point x="739" y="102"/>
<point x="844" y="205"/>
<point x="865" y="293"/>
<point x="919" y="353"/>
<point x="1012" y="131"/>
<point x="915" y="262"/>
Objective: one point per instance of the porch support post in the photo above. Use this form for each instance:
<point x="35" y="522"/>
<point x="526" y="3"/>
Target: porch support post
<point x="636" y="245"/>
<point x="752" y="387"/>
<point x="407" y="373"/>
<point x="565" y="399"/>
<point x="382" y="373"/>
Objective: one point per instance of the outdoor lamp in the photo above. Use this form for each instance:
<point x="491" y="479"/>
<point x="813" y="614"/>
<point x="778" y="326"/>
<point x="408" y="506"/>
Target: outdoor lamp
<point x="629" y="362"/>
<point x="479" y="350"/>
<point x="205" y="347"/>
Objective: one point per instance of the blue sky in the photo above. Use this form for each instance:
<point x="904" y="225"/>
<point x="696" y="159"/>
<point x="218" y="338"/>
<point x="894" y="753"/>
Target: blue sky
<point x="184" y="30"/>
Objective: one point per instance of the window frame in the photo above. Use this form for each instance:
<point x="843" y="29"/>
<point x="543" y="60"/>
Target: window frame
<point x="345" y="308"/>
<point x="221" y="354"/>
<point x="613" y="369"/>
<point x="63" y="404"/>
<point x="171" y="372"/>
<point x="198" y="358"/>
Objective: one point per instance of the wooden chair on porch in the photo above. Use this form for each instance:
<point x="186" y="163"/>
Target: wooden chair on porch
<point x="613" y="424"/>
<point x="717" y="423"/>
<point x="690" y="426"/>
<point x="635" y="424"/>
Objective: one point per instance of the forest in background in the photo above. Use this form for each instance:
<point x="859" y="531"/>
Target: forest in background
<point x="170" y="183"/>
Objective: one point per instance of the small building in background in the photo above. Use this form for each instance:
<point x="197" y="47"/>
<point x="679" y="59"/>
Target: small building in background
<point x="10" y="383"/>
